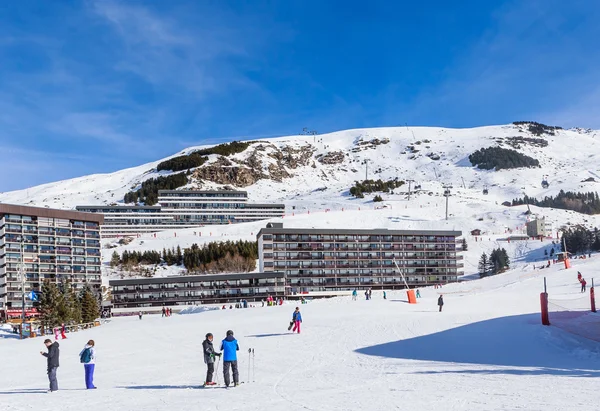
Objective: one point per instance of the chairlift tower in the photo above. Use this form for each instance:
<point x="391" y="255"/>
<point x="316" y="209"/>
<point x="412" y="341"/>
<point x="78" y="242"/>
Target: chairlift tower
<point x="409" y="184"/>
<point x="447" y="194"/>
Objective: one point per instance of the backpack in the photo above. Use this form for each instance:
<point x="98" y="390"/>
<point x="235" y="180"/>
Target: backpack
<point x="86" y="356"/>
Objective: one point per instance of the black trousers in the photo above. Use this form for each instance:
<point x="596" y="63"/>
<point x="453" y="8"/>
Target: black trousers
<point x="441" y="308"/>
<point x="234" y="369"/>
<point x="210" y="371"/>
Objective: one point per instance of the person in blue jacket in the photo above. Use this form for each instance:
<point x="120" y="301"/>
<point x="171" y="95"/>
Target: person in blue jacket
<point x="230" y="347"/>
<point x="297" y="319"/>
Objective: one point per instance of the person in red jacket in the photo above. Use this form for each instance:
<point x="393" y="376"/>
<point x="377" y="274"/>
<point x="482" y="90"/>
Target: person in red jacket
<point x="583" y="284"/>
<point x="579" y="277"/>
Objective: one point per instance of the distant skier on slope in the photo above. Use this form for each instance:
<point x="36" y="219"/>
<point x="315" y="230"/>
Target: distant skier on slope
<point x="583" y="284"/>
<point x="229" y="347"/>
<point x="209" y="358"/>
<point x="354" y="295"/>
<point x="441" y="302"/>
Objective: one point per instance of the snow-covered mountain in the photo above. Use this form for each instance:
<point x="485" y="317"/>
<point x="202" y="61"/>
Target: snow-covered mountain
<point x="317" y="171"/>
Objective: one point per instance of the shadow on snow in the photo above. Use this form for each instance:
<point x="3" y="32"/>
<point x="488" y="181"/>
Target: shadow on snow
<point x="268" y="335"/>
<point x="515" y="341"/>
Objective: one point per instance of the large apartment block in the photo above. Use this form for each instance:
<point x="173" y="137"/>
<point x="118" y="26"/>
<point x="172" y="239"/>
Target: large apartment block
<point x="179" y="209"/>
<point x="196" y="289"/>
<point x="321" y="259"/>
<point x="45" y="244"/>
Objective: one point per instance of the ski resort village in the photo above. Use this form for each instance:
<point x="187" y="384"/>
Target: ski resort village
<point x="391" y="268"/>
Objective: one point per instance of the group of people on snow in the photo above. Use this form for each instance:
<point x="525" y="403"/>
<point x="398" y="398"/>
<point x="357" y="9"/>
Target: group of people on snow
<point x="582" y="282"/>
<point x="167" y="312"/>
<point x="87" y="357"/>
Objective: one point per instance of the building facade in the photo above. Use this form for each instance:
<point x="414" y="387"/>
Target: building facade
<point x="196" y="289"/>
<point x="45" y="244"/>
<point x="539" y="228"/>
<point x="179" y="209"/>
<point x="338" y="260"/>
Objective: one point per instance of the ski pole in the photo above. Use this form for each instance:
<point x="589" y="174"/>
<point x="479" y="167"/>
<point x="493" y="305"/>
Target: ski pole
<point x="253" y="367"/>
<point x="218" y="362"/>
<point x="249" y="351"/>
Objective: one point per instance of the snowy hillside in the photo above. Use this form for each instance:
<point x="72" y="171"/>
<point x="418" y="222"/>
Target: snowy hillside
<point x="310" y="172"/>
<point x="486" y="351"/>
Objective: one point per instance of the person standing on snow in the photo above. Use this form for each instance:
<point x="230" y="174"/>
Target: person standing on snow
<point x="418" y="294"/>
<point x="354" y="295"/>
<point x="140" y="315"/>
<point x="209" y="358"/>
<point x="230" y="347"/>
<point x="384" y="295"/>
<point x="297" y="319"/>
<point x="441" y="302"/>
<point x="164" y="311"/>
<point x="583" y="284"/>
<point x="52" y="356"/>
<point x="87" y="357"/>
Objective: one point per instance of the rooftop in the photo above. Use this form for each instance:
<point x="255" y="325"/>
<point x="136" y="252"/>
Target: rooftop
<point x="50" y="213"/>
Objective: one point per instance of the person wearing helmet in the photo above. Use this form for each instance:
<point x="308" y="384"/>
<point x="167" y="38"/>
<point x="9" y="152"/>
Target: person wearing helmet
<point x="209" y="358"/>
<point x="229" y="347"/>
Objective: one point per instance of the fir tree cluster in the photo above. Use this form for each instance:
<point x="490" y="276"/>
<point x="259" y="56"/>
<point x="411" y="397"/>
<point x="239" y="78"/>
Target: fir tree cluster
<point x="537" y="129"/>
<point x="580" y="240"/>
<point x="586" y="203"/>
<point x="495" y="263"/>
<point x="148" y="192"/>
<point x="221" y="256"/>
<point x="501" y="159"/>
<point x="377" y="199"/>
<point x="373" y="186"/>
<point x="61" y="304"/>
<point x="199" y="157"/>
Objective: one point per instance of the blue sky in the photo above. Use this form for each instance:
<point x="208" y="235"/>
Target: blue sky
<point x="96" y="86"/>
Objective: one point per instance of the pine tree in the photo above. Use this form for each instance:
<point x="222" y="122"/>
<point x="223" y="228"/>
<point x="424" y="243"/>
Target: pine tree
<point x="89" y="306"/>
<point x="483" y="265"/>
<point x="49" y="304"/>
<point x="464" y="244"/>
<point x="179" y="256"/>
<point x="71" y="307"/>
<point x="115" y="260"/>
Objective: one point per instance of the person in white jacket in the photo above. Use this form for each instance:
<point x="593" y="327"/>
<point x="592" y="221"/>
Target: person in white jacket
<point x="88" y="358"/>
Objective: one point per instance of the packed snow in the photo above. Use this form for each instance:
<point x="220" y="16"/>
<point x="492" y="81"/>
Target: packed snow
<point x="487" y="350"/>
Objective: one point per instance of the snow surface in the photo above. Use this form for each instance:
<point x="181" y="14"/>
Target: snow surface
<point x="486" y="351"/>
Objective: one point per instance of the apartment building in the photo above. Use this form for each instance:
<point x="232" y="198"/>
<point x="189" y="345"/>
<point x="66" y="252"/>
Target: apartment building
<point x="179" y="209"/>
<point x="322" y="259"/>
<point x="196" y="289"/>
<point x="46" y="244"/>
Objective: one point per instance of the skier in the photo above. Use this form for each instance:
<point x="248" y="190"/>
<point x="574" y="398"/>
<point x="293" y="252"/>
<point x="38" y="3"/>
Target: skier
<point x="354" y="295"/>
<point x="384" y="295"/>
<point x="441" y="302"/>
<point x="579" y="276"/>
<point x="297" y="319"/>
<point x="229" y="347"/>
<point x="164" y="311"/>
<point x="87" y="357"/>
<point x="140" y="315"/>
<point x="209" y="358"/>
<point x="370" y="293"/>
<point x="583" y="284"/>
<point x="366" y="294"/>
<point x="418" y="294"/>
<point x="52" y="355"/>
<point x="63" y="331"/>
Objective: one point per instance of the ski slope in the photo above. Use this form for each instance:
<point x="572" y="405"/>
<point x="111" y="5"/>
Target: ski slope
<point x="486" y="351"/>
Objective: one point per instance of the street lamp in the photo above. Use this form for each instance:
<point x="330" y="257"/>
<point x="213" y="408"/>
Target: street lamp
<point x="447" y="194"/>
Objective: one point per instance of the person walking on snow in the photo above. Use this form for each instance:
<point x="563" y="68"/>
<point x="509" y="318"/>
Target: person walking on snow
<point x="354" y="295"/>
<point x="230" y="347"/>
<point x="140" y="315"/>
<point x="52" y="356"/>
<point x="209" y="358"/>
<point x="441" y="302"/>
<point x="418" y="294"/>
<point x="583" y="284"/>
<point x="297" y="319"/>
<point x="384" y="296"/>
<point x="164" y="311"/>
<point x="87" y="357"/>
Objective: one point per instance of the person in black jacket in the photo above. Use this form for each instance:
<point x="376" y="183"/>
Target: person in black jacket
<point x="441" y="302"/>
<point x="52" y="356"/>
<point x="209" y="358"/>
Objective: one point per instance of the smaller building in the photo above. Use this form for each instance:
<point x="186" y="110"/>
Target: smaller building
<point x="539" y="228"/>
<point x="196" y="289"/>
<point x="476" y="232"/>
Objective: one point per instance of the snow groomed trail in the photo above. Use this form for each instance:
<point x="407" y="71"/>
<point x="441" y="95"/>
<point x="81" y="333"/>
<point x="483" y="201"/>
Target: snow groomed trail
<point x="486" y="351"/>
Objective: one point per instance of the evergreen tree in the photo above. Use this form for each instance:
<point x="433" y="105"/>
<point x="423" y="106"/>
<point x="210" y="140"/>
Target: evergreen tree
<point x="49" y="303"/>
<point x="89" y="306"/>
<point x="483" y="265"/>
<point x="179" y="256"/>
<point x="464" y="244"/>
<point x="71" y="305"/>
<point x="115" y="260"/>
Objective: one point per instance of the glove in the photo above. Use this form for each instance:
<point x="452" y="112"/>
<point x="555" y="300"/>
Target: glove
<point x="219" y="354"/>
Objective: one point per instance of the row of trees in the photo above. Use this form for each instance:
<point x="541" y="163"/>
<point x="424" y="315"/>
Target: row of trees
<point x="148" y="192"/>
<point x="537" y="129"/>
<point x="497" y="262"/>
<point x="199" y="157"/>
<point x="501" y="159"/>
<point x="580" y="240"/>
<point x="587" y="203"/>
<point x="373" y="186"/>
<point x="61" y="304"/>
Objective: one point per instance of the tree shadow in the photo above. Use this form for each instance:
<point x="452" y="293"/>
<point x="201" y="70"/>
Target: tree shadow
<point x="511" y="342"/>
<point x="267" y="335"/>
